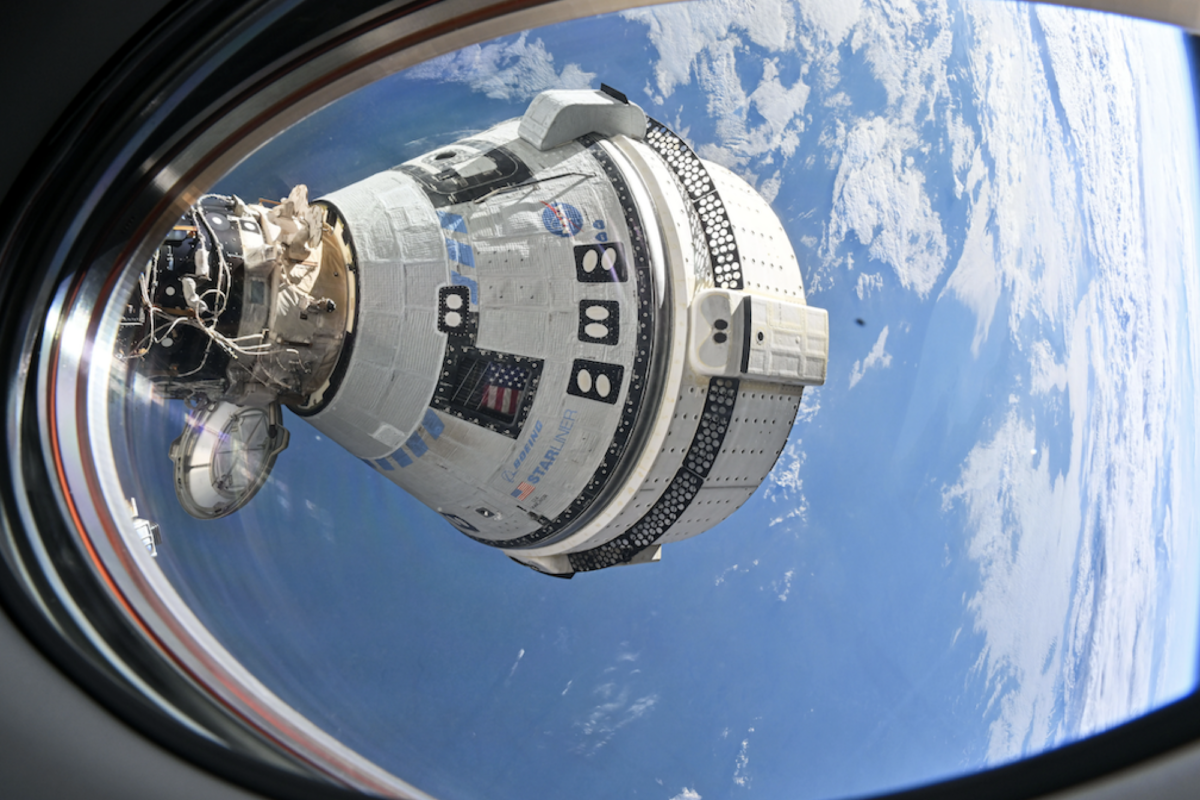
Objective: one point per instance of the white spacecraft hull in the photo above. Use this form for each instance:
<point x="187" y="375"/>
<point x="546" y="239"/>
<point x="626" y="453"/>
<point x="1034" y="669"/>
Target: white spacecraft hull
<point x="569" y="271"/>
<point x="568" y="334"/>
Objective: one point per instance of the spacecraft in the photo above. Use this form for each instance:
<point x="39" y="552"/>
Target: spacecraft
<point x="570" y="335"/>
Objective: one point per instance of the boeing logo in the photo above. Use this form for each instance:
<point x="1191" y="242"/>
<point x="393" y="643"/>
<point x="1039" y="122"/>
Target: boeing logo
<point x="510" y="475"/>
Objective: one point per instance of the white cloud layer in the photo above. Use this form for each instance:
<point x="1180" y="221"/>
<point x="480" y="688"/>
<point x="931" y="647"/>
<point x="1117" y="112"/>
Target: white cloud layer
<point x="783" y="587"/>
<point x="1025" y="528"/>
<point x="1024" y="236"/>
<point x="517" y="70"/>
<point x="878" y="358"/>
<point x="831" y="20"/>
<point x="880" y="196"/>
<point x="617" y="706"/>
<point x="741" y="772"/>
<point x="785" y="486"/>
<point x="1069" y="602"/>
<point x="906" y="43"/>
<point x="757" y="125"/>
<point x="868" y="284"/>
<point x="879" y="192"/>
<point x="684" y="33"/>
<point x="615" y="711"/>
<point x="516" y="663"/>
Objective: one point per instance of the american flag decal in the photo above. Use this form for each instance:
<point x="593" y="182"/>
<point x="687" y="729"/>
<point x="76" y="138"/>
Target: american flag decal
<point x="494" y="390"/>
<point x="502" y="385"/>
<point x="523" y="490"/>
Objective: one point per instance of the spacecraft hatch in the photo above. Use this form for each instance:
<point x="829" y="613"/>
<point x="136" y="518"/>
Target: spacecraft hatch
<point x="568" y="334"/>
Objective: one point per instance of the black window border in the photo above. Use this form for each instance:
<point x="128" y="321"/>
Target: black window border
<point x="443" y="396"/>
<point x="227" y="42"/>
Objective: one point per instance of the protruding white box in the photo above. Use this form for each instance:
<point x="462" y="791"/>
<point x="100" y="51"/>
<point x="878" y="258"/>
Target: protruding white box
<point x="717" y="335"/>
<point x="736" y="334"/>
<point x="788" y="342"/>
<point x="560" y="116"/>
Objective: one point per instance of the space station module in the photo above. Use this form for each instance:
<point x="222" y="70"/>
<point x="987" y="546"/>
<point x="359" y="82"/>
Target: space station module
<point x="568" y="334"/>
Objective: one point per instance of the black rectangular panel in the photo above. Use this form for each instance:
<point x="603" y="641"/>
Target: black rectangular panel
<point x="596" y="380"/>
<point x="599" y="321"/>
<point x="603" y="262"/>
<point x="455" y="317"/>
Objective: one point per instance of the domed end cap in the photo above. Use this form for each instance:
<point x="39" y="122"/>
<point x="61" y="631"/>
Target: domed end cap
<point x="224" y="456"/>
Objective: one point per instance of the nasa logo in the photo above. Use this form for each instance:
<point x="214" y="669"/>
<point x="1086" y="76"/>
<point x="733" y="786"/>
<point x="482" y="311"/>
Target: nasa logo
<point x="562" y="219"/>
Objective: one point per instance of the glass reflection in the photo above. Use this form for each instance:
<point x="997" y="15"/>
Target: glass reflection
<point x="979" y="541"/>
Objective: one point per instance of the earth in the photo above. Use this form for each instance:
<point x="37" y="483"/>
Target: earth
<point x="980" y="541"/>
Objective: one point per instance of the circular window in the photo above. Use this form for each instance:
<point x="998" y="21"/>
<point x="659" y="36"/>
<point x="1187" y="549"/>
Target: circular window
<point x="295" y="394"/>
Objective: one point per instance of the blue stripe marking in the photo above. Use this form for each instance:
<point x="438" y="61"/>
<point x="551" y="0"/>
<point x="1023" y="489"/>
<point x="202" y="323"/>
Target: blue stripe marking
<point x="401" y="458"/>
<point x="417" y="445"/>
<point x="385" y="464"/>
<point x="462" y="253"/>
<point x="452" y="222"/>
<point x="458" y="279"/>
<point x="433" y="423"/>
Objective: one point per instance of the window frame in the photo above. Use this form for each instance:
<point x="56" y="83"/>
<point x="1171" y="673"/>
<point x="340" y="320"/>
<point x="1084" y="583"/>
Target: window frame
<point x="159" y="118"/>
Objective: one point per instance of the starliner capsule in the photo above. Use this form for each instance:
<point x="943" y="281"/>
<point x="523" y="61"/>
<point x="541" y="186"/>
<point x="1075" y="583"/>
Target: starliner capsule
<point x="568" y="334"/>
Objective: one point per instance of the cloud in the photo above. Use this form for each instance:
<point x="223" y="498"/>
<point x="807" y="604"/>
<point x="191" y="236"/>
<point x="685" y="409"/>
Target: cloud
<point x="962" y="148"/>
<point x="769" y="188"/>
<point x="784" y="483"/>
<point x="976" y="279"/>
<point x="741" y="776"/>
<point x="785" y="477"/>
<point x="687" y="794"/>
<point x="514" y="70"/>
<point x="708" y="40"/>
<point x="608" y="717"/>
<point x="868" y="284"/>
<point x="520" y="655"/>
<point x="1070" y="603"/>
<point x="906" y="44"/>
<point x="876" y="358"/>
<point x="618" y="706"/>
<point x="787" y="586"/>
<point x="682" y="33"/>
<point x="879" y="192"/>
<point x="1025" y="237"/>
<point x="810" y="404"/>
<point x="1023" y="535"/>
<point x="735" y="568"/>
<point x="780" y="107"/>
<point x="832" y="20"/>
<point x="1046" y="373"/>
<point x="1067" y="603"/>
<point x="879" y="195"/>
